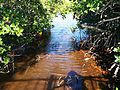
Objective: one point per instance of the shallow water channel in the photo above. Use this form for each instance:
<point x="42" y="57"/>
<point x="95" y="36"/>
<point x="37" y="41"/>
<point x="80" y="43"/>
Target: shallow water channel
<point x="65" y="35"/>
<point x="60" y="57"/>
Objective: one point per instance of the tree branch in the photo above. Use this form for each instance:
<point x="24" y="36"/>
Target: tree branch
<point x="102" y="10"/>
<point x="90" y="27"/>
<point x="107" y="20"/>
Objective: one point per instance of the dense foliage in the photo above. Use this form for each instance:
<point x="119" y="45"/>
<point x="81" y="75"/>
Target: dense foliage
<point x="57" y="6"/>
<point x="117" y="56"/>
<point x="84" y="10"/>
<point x="20" y="21"/>
<point x="105" y="16"/>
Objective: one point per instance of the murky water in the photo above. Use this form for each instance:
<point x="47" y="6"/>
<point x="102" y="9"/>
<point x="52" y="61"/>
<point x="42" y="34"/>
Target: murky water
<point x="60" y="58"/>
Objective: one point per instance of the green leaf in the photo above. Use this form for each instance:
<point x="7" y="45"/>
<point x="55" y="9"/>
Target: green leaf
<point x="12" y="25"/>
<point x="8" y="29"/>
<point x="117" y="49"/>
<point x="2" y="50"/>
<point x="117" y="58"/>
<point x="88" y="5"/>
<point x="84" y="0"/>
<point x="19" y="31"/>
<point x="92" y="9"/>
<point x="116" y="88"/>
<point x="1" y="42"/>
<point x="86" y="11"/>
<point x="98" y="8"/>
<point x="6" y="60"/>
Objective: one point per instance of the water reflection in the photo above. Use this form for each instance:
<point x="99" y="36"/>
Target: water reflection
<point x="63" y="38"/>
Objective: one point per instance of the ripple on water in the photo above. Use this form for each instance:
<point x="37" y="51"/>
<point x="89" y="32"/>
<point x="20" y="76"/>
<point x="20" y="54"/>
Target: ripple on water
<point x="61" y="58"/>
<point x="62" y="38"/>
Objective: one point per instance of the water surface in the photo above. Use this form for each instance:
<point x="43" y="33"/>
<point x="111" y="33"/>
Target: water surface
<point x="64" y="35"/>
<point x="61" y="58"/>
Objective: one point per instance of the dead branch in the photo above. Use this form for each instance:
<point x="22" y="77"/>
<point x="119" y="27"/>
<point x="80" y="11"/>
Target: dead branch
<point x="91" y="27"/>
<point x="107" y="20"/>
<point x="102" y="10"/>
<point x="107" y="5"/>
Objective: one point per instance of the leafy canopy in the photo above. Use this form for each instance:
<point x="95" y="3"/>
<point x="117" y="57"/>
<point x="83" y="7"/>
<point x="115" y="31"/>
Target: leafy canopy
<point x="20" y="20"/>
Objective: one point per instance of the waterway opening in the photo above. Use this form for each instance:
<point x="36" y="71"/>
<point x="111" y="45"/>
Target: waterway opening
<point x="57" y="60"/>
<point x="65" y="34"/>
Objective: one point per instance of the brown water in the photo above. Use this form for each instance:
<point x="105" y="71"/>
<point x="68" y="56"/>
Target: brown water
<point x="60" y="58"/>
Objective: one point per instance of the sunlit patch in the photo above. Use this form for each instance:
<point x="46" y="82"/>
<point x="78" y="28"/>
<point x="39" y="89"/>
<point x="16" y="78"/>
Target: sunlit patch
<point x="63" y="39"/>
<point x="86" y="59"/>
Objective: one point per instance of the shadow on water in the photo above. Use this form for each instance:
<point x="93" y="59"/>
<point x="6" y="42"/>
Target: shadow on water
<point x="50" y="83"/>
<point x="92" y="82"/>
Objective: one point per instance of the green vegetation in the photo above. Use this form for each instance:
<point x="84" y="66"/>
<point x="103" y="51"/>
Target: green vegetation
<point x="105" y="16"/>
<point x="20" y="21"/>
<point x="84" y="7"/>
<point x="117" y="56"/>
<point x="102" y="14"/>
<point x="57" y="6"/>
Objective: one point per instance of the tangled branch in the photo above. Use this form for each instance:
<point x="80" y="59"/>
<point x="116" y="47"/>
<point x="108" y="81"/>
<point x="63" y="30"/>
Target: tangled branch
<point x="107" y="20"/>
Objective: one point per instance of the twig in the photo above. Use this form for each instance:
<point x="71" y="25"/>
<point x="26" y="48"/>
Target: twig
<point x="104" y="8"/>
<point x="91" y="27"/>
<point x="107" y="20"/>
